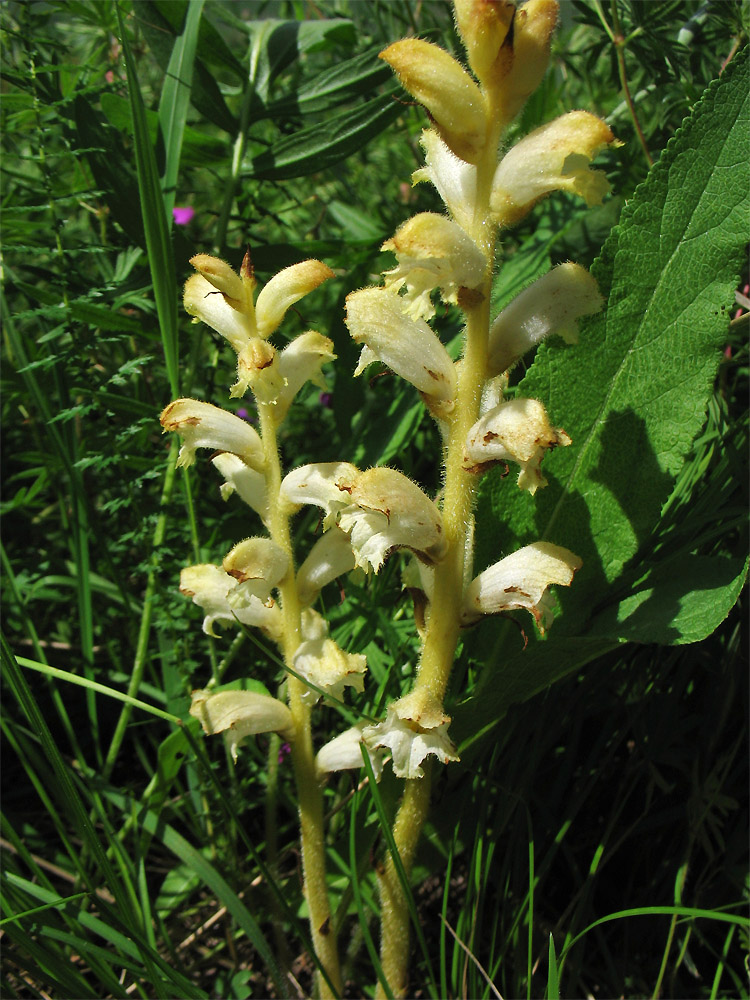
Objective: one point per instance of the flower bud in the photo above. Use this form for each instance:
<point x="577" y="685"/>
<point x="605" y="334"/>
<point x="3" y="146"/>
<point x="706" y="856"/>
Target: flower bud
<point x="552" y="304"/>
<point x="376" y="318"/>
<point x="239" y="714"/>
<point x="443" y="86"/>
<point x="202" y="425"/>
<point x="432" y="252"/>
<point x="533" y="27"/>
<point x="554" y="157"/>
<point x="284" y="289"/>
<point x="516" y="431"/>
<point x="483" y="26"/>
<point x="521" y="580"/>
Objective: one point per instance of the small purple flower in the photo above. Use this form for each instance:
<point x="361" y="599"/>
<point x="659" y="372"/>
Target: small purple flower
<point x="325" y="399"/>
<point x="284" y="750"/>
<point x="182" y="216"/>
<point x="243" y="414"/>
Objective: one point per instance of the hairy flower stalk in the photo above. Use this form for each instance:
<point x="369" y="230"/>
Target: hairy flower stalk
<point x="242" y="588"/>
<point x="370" y="514"/>
<point x="508" y="51"/>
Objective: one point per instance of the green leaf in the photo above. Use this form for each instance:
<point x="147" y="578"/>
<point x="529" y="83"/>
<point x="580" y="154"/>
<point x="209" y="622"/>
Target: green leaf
<point x="518" y="677"/>
<point x="175" y="100"/>
<point x="358" y="75"/>
<point x="156" y="228"/>
<point x="633" y="394"/>
<point x="683" y="601"/>
<point x="324" y="144"/>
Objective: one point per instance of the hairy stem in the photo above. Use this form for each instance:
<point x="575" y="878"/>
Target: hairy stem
<point x="309" y="795"/>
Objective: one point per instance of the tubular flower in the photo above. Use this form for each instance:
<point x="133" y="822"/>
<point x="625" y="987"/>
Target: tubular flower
<point x="516" y="431"/>
<point x="376" y="318"/>
<point x="554" y="157"/>
<point x="455" y="102"/>
<point x="300" y="362"/>
<point x="412" y="730"/>
<point x="202" y="425"/>
<point x="239" y="714"/>
<point x="389" y="511"/>
<point x="328" y="669"/>
<point x="380" y="510"/>
<point x="432" y="252"/>
<point x="224" y="301"/>
<point x="344" y="752"/>
<point x="330" y="557"/>
<point x="454" y="180"/>
<point x="220" y="597"/>
<point x="325" y="484"/>
<point x="552" y="304"/>
<point x="521" y="580"/>
<point x="249" y="484"/>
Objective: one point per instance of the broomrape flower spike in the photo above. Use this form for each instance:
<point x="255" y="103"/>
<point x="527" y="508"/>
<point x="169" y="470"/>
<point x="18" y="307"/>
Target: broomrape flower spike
<point x="376" y="514"/>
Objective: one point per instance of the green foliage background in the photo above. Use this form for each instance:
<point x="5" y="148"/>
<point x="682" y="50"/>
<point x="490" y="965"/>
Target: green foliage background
<point x="621" y="788"/>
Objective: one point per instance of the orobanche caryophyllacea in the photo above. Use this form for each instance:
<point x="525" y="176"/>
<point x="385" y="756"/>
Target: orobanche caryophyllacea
<point x="370" y="514"/>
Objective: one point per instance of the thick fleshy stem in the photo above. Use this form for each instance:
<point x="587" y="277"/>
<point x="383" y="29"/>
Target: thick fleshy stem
<point x="309" y="796"/>
<point x="441" y="638"/>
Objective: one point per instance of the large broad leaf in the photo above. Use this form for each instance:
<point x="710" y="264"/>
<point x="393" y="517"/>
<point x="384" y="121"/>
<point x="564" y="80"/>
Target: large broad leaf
<point x="633" y="395"/>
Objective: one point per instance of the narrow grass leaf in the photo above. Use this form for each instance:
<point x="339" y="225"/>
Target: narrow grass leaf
<point x="156" y="229"/>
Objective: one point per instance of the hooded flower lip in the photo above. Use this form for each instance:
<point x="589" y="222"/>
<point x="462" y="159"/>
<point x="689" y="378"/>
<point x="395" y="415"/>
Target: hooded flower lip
<point x="344" y="753"/>
<point x="284" y="289"/>
<point x="380" y="510"/>
<point x="202" y="425"/>
<point x="521" y="580"/>
<point x="443" y="86"/>
<point x="224" y="279"/>
<point x="432" y="252"/>
<point x="232" y="318"/>
<point x="328" y="668"/>
<point x="389" y="511"/>
<point x="551" y="158"/>
<point x="239" y="714"/>
<point x="219" y="596"/>
<point x="552" y="304"/>
<point x="412" y="739"/>
<point x="325" y="484"/>
<point x="249" y="484"/>
<point x="329" y="558"/>
<point x="454" y="180"/>
<point x="259" y="561"/>
<point x="376" y="318"/>
<point x="516" y="431"/>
